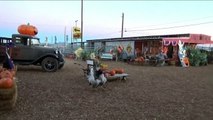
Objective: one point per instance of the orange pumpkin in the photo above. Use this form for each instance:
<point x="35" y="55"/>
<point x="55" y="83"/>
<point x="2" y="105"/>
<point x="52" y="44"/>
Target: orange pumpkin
<point x="112" y="72"/>
<point x="27" y="29"/>
<point x="186" y="61"/>
<point x="119" y="71"/>
<point x="13" y="72"/>
<point x="6" y="83"/>
<point x="2" y="69"/>
<point x="6" y="74"/>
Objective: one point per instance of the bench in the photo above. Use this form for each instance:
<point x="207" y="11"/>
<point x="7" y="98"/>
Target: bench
<point x="107" y="56"/>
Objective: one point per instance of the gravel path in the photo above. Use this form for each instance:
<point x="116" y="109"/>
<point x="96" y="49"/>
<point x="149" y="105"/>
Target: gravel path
<point x="150" y="93"/>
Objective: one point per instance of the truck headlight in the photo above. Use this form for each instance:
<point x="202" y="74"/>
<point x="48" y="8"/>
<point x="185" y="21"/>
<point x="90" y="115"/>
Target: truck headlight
<point x="56" y="51"/>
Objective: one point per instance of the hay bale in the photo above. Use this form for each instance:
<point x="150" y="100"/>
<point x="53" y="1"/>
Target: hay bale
<point x="8" y="97"/>
<point x="8" y="104"/>
<point x="7" y="94"/>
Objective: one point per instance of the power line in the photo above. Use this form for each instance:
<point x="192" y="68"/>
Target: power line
<point x="172" y="27"/>
<point x="107" y="34"/>
<point x="174" y="22"/>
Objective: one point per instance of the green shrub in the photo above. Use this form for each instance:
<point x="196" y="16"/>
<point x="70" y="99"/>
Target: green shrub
<point x="196" y="57"/>
<point x="85" y="54"/>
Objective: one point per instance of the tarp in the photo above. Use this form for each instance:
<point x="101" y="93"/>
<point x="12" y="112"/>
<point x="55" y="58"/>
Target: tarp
<point x="207" y="47"/>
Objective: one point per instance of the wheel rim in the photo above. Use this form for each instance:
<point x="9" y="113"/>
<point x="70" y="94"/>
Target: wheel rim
<point x="50" y="65"/>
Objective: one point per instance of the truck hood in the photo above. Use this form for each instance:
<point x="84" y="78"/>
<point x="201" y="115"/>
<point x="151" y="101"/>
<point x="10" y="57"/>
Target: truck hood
<point x="46" y="49"/>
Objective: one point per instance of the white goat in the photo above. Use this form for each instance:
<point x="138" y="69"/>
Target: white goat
<point x="101" y="80"/>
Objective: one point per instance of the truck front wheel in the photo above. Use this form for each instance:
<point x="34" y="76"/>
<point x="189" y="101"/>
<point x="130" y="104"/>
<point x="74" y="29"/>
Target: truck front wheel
<point x="50" y="64"/>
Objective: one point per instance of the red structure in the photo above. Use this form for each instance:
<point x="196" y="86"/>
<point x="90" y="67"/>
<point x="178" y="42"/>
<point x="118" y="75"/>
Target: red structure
<point x="192" y="39"/>
<point x="171" y="43"/>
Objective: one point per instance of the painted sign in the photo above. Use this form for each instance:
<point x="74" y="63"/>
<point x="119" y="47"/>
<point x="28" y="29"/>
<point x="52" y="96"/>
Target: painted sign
<point x="127" y="45"/>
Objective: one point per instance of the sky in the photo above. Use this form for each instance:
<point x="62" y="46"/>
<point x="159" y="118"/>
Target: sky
<point x="103" y="19"/>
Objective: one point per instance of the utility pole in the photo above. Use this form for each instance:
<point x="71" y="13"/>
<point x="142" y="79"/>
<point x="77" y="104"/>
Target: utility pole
<point x="46" y="41"/>
<point x="71" y="37"/>
<point x="76" y="23"/>
<point x="64" y="36"/>
<point x="55" y="40"/>
<point x="122" y="26"/>
<point x="82" y="23"/>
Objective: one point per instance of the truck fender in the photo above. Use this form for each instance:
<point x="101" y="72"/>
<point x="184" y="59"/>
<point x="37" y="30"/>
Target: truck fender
<point x="39" y="60"/>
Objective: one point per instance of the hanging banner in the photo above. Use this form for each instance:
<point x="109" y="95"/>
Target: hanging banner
<point x="167" y="42"/>
<point x="76" y="33"/>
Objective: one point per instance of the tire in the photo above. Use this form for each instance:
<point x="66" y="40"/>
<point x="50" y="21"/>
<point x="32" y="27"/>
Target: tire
<point x="50" y="64"/>
<point x="61" y="66"/>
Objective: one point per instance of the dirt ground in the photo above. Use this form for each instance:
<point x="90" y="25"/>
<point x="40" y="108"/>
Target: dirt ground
<point x="150" y="93"/>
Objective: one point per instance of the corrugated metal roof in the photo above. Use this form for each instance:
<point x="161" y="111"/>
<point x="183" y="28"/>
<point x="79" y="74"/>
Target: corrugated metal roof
<point x="151" y="37"/>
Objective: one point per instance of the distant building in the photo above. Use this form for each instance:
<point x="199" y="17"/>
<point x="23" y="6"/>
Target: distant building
<point x="150" y="45"/>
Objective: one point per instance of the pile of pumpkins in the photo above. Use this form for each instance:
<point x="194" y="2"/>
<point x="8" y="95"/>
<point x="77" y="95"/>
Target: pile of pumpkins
<point x="112" y="72"/>
<point x="8" y="89"/>
<point x="115" y="71"/>
<point x="139" y="59"/>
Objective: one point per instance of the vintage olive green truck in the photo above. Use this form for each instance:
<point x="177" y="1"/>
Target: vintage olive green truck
<point x="26" y="50"/>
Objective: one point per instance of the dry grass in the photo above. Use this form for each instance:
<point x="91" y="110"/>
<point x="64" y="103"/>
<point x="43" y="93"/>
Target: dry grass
<point x="152" y="93"/>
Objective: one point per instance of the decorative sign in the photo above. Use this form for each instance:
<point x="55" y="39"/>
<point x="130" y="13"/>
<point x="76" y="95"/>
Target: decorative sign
<point x="76" y="32"/>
